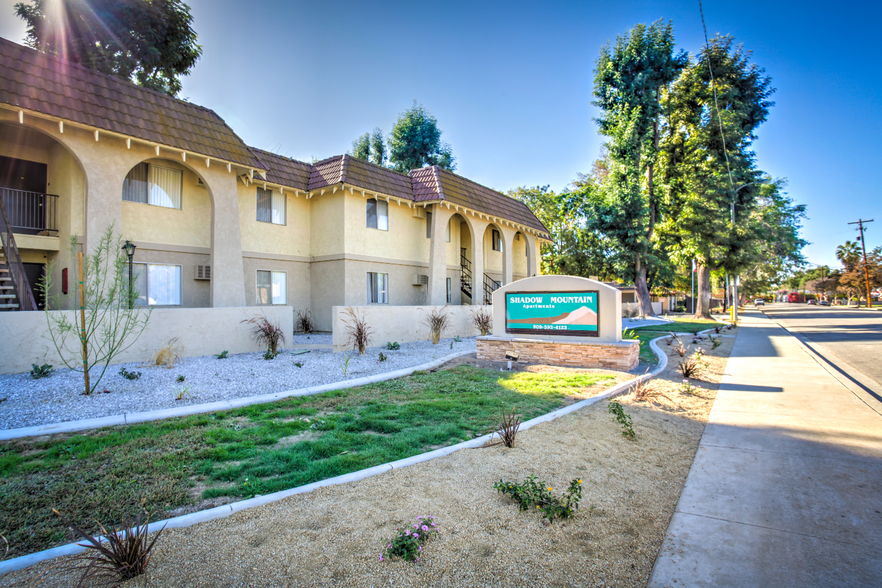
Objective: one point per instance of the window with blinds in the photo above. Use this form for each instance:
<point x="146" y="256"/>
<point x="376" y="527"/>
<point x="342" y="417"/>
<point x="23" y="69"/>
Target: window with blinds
<point x="377" y="214"/>
<point x="153" y="184"/>
<point x="272" y="287"/>
<point x="271" y="207"/>
<point x="377" y="288"/>
<point x="157" y="284"/>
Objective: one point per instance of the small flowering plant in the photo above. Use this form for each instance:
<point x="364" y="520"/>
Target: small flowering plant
<point x="688" y="388"/>
<point x="532" y="492"/>
<point x="408" y="541"/>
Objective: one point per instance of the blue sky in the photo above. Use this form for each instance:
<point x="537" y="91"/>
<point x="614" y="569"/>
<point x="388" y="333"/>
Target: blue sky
<point x="510" y="84"/>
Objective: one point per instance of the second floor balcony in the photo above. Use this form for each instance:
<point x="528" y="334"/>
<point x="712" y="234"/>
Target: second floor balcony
<point x="30" y="213"/>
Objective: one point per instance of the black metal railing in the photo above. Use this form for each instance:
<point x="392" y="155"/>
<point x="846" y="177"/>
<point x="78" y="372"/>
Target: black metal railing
<point x="15" y="270"/>
<point x="30" y="212"/>
<point x="465" y="275"/>
<point x="489" y="286"/>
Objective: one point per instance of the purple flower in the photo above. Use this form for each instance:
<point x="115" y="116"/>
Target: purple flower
<point x="420" y="548"/>
<point x="434" y="525"/>
<point x="415" y="527"/>
<point x="425" y="528"/>
<point x="418" y="518"/>
<point x="381" y="558"/>
<point x="416" y="535"/>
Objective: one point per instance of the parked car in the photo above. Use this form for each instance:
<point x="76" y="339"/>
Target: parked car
<point x="823" y="303"/>
<point x="759" y="302"/>
<point x="812" y="301"/>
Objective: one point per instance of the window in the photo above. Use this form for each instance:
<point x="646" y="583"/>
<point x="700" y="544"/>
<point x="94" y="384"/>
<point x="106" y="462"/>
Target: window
<point x="497" y="242"/>
<point x="272" y="287"/>
<point x="377" y="288"/>
<point x="271" y="207"/>
<point x="377" y="214"/>
<point x="153" y="184"/>
<point x="449" y="289"/>
<point x="157" y="284"/>
<point x="428" y="225"/>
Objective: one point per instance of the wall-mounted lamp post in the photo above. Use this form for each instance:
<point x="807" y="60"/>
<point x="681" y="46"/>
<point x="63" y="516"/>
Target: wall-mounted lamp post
<point x="129" y="248"/>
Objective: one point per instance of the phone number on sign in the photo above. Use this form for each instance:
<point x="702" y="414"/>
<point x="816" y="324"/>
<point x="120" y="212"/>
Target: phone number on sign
<point x="551" y="327"/>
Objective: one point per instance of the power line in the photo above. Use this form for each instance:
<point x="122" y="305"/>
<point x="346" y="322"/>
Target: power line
<point x="716" y="103"/>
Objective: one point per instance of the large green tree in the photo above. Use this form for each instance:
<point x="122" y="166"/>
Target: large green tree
<point x="716" y="199"/>
<point x="151" y="42"/>
<point x="415" y="141"/>
<point x="573" y="250"/>
<point x="628" y="84"/>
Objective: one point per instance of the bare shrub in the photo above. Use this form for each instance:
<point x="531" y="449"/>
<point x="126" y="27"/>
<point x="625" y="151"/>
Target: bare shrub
<point x="266" y="334"/>
<point x="680" y="348"/>
<point x="304" y="323"/>
<point x="482" y="318"/>
<point x="168" y="355"/>
<point x="692" y="365"/>
<point x="438" y="321"/>
<point x="358" y="330"/>
<point x="508" y="429"/>
<point x="124" y="554"/>
<point x="647" y="391"/>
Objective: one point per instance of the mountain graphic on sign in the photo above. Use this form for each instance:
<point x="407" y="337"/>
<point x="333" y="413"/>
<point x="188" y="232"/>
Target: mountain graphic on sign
<point x="580" y="316"/>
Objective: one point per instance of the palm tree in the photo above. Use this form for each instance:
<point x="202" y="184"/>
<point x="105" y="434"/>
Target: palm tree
<point x="849" y="254"/>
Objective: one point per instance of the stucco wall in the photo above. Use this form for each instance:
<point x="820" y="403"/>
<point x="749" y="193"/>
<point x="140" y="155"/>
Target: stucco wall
<point x="609" y="305"/>
<point x="202" y="331"/>
<point x="292" y="238"/>
<point x="405" y="239"/>
<point x="635" y="307"/>
<point x="325" y="217"/>
<point x="190" y="226"/>
<point x="326" y="291"/>
<point x="297" y="279"/>
<point x="401" y="323"/>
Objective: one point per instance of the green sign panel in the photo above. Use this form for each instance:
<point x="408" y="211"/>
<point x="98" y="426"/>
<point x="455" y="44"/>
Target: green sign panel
<point x="552" y="313"/>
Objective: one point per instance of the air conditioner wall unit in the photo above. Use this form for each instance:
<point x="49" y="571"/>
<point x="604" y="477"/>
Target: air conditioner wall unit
<point x="202" y="272"/>
<point x="419" y="212"/>
<point x="420" y="280"/>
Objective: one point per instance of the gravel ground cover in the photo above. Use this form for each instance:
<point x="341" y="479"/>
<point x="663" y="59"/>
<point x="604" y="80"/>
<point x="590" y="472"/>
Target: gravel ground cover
<point x="59" y="397"/>
<point x="335" y="535"/>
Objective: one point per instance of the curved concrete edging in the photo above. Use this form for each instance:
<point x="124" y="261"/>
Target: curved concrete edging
<point x="165" y="413"/>
<point x="226" y="510"/>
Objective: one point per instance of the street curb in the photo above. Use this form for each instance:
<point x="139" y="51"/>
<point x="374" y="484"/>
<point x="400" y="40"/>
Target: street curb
<point x="227" y="510"/>
<point x="165" y="413"/>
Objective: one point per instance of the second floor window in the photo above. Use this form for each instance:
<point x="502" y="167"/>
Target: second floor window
<point x="497" y="241"/>
<point x="271" y="207"/>
<point x="153" y="184"/>
<point x="377" y="214"/>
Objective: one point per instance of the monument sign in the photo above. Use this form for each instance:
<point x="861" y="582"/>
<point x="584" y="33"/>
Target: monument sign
<point x="554" y="313"/>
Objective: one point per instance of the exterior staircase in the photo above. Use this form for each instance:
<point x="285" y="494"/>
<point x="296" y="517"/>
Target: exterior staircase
<point x="15" y="290"/>
<point x="466" y="283"/>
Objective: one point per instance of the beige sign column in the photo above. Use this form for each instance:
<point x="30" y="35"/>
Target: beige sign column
<point x="532" y="260"/>
<point x="437" y="294"/>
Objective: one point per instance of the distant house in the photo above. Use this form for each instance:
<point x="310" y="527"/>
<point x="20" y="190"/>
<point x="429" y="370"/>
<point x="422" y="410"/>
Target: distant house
<point x="220" y="224"/>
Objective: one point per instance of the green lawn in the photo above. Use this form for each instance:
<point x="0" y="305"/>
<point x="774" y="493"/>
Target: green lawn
<point x="650" y="332"/>
<point x="107" y="473"/>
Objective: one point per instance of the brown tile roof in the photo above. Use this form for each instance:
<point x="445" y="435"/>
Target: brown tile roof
<point x="50" y="85"/>
<point x="345" y="169"/>
<point x="435" y="183"/>
<point x="284" y="170"/>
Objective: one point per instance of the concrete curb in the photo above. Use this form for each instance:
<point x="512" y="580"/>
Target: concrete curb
<point x="155" y="415"/>
<point x="227" y="510"/>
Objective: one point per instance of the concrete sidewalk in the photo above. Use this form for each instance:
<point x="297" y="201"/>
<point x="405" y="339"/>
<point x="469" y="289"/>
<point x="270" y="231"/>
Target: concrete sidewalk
<point x="786" y="487"/>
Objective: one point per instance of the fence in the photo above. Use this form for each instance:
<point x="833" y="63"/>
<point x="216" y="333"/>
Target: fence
<point x="401" y="323"/>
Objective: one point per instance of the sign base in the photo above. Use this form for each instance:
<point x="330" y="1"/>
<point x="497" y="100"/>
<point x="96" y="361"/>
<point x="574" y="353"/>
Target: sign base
<point x="618" y="355"/>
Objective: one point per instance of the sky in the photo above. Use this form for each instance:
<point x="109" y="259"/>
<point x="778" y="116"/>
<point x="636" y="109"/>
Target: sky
<point x="511" y="85"/>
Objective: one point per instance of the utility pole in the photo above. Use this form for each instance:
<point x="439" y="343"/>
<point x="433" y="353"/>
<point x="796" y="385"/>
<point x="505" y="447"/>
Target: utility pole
<point x="860" y="223"/>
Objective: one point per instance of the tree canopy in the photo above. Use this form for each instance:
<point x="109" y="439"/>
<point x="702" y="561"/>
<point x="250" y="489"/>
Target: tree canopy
<point x="150" y="42"/>
<point x="415" y="141"/>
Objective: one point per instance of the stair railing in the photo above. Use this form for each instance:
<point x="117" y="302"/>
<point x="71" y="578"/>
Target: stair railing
<point x="20" y="285"/>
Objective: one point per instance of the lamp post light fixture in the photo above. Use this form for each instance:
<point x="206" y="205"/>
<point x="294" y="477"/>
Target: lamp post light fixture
<point x="129" y="248"/>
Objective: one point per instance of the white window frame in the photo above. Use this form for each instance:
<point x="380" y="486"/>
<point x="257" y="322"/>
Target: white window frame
<point x="382" y="295"/>
<point x="278" y="209"/>
<point x="151" y="197"/>
<point x="283" y="291"/>
<point x="382" y="216"/>
<point x="146" y="293"/>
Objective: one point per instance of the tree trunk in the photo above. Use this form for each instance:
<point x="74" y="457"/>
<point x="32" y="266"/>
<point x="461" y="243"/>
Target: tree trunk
<point x="702" y="307"/>
<point x="643" y="296"/>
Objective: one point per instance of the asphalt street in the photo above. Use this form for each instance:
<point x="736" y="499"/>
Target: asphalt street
<point x="850" y="339"/>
